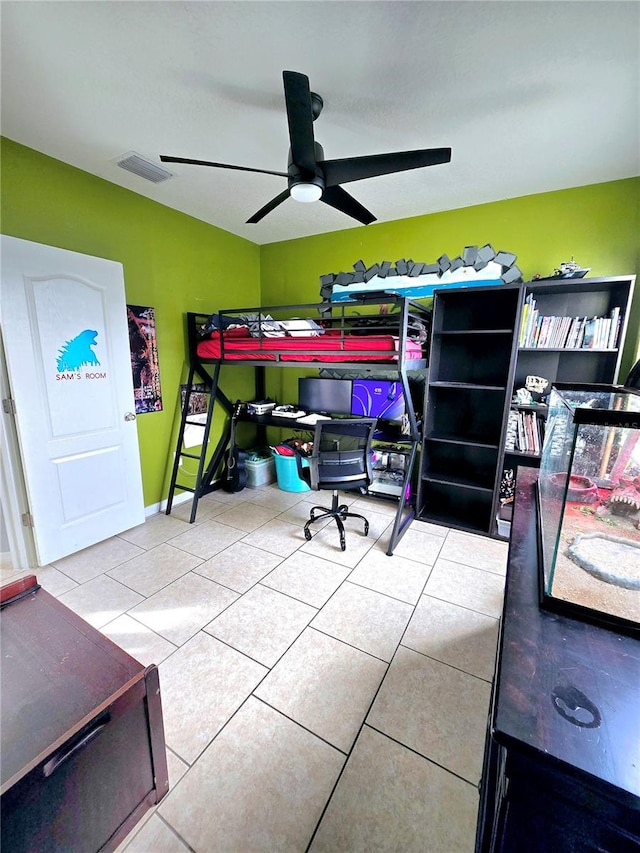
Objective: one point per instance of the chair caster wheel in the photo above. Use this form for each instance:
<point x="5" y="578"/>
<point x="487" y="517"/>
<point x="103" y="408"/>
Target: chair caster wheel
<point x="307" y="535"/>
<point x="366" y="528"/>
<point x="343" y="544"/>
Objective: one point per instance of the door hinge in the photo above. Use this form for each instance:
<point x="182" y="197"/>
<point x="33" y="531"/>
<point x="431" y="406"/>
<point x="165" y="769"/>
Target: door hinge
<point x="27" y="519"/>
<point x="9" y="406"/>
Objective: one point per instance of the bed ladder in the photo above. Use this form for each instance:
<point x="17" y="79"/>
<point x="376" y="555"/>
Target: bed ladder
<point x="204" y="477"/>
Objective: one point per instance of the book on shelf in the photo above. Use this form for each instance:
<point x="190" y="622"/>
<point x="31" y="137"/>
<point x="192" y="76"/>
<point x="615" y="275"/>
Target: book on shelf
<point x="512" y="430"/>
<point x="522" y="440"/>
<point x="528" y="433"/>
<point x="538" y="331"/>
<point x="546" y="331"/>
<point x="535" y="432"/>
<point x="605" y="332"/>
<point x="524" y="432"/>
<point x="528" y="321"/>
<point x="615" y="328"/>
<point x="564" y="332"/>
<point x="574" y="340"/>
<point x="588" y="340"/>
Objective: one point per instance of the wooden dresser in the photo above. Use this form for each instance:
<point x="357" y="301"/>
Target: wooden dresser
<point x="83" y="754"/>
<point x="562" y="760"/>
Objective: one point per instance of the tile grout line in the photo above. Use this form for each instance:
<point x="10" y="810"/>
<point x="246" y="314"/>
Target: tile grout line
<point x="475" y="785"/>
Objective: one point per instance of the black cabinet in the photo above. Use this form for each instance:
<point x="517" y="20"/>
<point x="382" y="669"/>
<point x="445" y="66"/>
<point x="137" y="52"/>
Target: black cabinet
<point x="83" y="754"/>
<point x="563" y="741"/>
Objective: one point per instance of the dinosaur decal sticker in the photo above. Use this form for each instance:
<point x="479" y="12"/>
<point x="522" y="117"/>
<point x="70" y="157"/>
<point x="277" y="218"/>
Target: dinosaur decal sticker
<point x="78" y="353"/>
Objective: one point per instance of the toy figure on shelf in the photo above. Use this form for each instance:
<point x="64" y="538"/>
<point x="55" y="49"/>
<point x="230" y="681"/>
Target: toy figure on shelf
<point x="534" y="391"/>
<point x="522" y="397"/>
<point x="537" y="387"/>
<point x="507" y="487"/>
<point x="568" y="269"/>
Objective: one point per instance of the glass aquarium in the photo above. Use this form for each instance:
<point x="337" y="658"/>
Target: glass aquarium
<point x="589" y="504"/>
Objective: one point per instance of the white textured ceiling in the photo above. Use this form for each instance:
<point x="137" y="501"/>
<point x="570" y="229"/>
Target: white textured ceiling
<point x="531" y="97"/>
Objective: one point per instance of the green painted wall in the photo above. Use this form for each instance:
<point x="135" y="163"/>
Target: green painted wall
<point x="170" y="260"/>
<point x="170" y="263"/>
<point x="598" y="225"/>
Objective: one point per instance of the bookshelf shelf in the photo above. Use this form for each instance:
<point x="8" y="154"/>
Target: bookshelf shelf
<point x="460" y="482"/>
<point x="476" y="332"/>
<point x="469" y="385"/>
<point x="523" y="453"/>
<point x="530" y="407"/>
<point x="582" y="350"/>
<point x="450" y="439"/>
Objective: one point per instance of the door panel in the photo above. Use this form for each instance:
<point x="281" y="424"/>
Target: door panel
<point x="67" y="348"/>
<point x="72" y="352"/>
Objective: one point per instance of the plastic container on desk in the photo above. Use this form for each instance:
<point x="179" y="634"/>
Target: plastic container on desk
<point x="287" y="474"/>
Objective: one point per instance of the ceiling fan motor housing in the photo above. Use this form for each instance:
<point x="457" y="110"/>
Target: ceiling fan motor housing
<point x="298" y="175"/>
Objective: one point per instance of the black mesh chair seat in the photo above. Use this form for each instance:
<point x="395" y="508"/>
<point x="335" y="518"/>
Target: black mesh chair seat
<point x="340" y="459"/>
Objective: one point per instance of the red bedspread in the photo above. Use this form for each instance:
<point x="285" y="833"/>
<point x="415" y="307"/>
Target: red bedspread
<point x="330" y="347"/>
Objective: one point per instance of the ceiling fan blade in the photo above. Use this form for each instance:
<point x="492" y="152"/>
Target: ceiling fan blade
<point x="297" y="96"/>
<point x="357" y="168"/>
<point x="166" y="159"/>
<point x="268" y="207"/>
<point x="342" y="201"/>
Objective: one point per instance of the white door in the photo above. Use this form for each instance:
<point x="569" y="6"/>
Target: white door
<point x="66" y="339"/>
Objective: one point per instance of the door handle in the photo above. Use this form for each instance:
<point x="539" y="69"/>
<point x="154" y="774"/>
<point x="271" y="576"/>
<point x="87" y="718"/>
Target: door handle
<point x="129" y="416"/>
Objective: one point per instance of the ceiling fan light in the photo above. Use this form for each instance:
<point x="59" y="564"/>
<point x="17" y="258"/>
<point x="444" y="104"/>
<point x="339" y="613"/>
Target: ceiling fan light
<point x="306" y="192"/>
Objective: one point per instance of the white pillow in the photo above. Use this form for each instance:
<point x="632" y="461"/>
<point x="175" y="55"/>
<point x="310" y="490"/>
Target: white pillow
<point x="298" y="328"/>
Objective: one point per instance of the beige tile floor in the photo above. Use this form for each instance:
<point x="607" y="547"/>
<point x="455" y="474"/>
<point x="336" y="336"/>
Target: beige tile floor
<point x="313" y="699"/>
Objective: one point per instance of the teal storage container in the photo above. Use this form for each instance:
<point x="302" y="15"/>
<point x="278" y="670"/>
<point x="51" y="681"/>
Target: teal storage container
<point x="287" y="474"/>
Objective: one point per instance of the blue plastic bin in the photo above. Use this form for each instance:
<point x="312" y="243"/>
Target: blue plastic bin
<point x="287" y="474"/>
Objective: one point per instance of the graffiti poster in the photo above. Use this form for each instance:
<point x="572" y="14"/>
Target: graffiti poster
<point x="144" y="359"/>
<point x="198" y="403"/>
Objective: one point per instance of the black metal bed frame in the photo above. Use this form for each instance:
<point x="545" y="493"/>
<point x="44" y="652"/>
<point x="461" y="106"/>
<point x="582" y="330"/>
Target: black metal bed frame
<point x="342" y="317"/>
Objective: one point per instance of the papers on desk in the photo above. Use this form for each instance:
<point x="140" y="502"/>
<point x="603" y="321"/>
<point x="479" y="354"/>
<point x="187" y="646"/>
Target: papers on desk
<point x="312" y="419"/>
<point x="294" y="415"/>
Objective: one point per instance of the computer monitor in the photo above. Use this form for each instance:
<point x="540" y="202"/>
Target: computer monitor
<point x="325" y="396"/>
<point x="378" y="398"/>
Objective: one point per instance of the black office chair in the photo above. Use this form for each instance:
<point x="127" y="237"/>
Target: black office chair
<point x="340" y="459"/>
<point x="633" y="379"/>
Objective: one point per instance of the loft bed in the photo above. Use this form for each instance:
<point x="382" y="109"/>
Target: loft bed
<point x="322" y="334"/>
<point x="378" y="331"/>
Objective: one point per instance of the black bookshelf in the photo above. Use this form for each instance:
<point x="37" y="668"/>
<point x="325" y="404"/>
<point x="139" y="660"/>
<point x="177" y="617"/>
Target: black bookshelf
<point x="476" y="364"/>
<point x="468" y="393"/>
<point x="577" y="298"/>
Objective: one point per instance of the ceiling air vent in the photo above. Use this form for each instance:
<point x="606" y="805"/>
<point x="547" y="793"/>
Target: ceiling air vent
<point x="133" y="162"/>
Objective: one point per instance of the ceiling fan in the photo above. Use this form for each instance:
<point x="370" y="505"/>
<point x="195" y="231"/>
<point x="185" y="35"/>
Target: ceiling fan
<point x="310" y="176"/>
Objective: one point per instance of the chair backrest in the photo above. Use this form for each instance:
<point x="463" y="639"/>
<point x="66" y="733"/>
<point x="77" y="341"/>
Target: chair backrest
<point x="633" y="379"/>
<point x="341" y="456"/>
